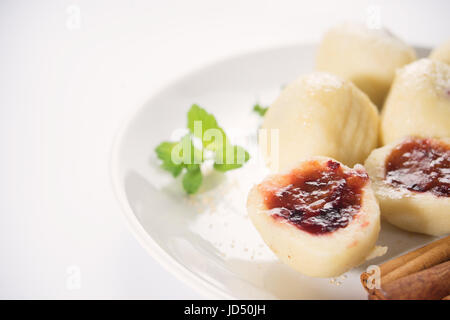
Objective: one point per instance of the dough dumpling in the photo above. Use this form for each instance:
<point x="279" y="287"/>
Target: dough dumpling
<point x="320" y="217"/>
<point x="411" y="179"/>
<point x="319" y="115"/>
<point x="442" y="53"/>
<point x="418" y="103"/>
<point x="367" y="57"/>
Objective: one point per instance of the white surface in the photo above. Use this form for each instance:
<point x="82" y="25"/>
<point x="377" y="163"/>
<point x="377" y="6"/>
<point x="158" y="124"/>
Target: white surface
<point x="65" y="92"/>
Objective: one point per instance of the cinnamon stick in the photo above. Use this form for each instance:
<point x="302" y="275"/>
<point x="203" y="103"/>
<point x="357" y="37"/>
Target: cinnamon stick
<point x="430" y="284"/>
<point x="414" y="261"/>
<point x="428" y="259"/>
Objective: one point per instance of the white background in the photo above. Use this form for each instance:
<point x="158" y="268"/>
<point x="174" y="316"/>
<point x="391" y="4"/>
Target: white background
<point x="67" y="87"/>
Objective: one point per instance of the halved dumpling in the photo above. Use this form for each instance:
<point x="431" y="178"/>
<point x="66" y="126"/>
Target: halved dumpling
<point x="367" y="57"/>
<point x="411" y="179"/>
<point x="418" y="103"/>
<point x="441" y="53"/>
<point x="319" y="114"/>
<point x="320" y="217"/>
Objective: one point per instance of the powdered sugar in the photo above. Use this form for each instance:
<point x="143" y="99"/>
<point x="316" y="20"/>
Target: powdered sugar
<point x="322" y="81"/>
<point x="419" y="74"/>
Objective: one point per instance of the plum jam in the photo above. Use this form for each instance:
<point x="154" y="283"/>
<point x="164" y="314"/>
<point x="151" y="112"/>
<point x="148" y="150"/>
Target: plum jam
<point x="420" y="165"/>
<point x="319" y="197"/>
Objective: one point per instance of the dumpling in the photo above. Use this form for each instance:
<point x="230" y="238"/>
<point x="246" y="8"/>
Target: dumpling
<point x="319" y="114"/>
<point x="441" y="53"/>
<point x="367" y="57"/>
<point x="320" y="217"/>
<point x="418" y="103"/>
<point x="411" y="179"/>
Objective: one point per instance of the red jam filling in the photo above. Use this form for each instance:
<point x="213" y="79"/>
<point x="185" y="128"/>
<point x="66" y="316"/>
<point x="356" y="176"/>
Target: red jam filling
<point x="420" y="165"/>
<point x="318" y="198"/>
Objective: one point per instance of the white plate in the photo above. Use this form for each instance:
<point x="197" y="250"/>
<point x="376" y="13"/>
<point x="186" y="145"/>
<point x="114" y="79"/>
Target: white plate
<point x="207" y="240"/>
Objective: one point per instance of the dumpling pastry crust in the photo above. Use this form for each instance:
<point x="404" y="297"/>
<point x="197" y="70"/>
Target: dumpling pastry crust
<point x="320" y="114"/>
<point x="411" y="179"/>
<point x="418" y="103"/>
<point x="320" y="217"/>
<point x="367" y="57"/>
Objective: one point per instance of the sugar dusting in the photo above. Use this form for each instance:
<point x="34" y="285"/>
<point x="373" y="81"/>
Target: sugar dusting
<point x="222" y="216"/>
<point x="419" y="74"/>
<point x="319" y="81"/>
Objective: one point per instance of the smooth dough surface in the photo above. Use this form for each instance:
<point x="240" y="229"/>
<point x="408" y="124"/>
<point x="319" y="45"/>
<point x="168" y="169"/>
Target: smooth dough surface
<point x="326" y="255"/>
<point x="418" y="103"/>
<point x="421" y="212"/>
<point x="367" y="57"/>
<point x="319" y="115"/>
<point x="441" y="53"/>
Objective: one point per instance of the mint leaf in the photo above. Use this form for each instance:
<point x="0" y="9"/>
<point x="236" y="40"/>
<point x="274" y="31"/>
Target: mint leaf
<point x="164" y="152"/>
<point x="192" y="179"/>
<point x="198" y="116"/>
<point x="194" y="155"/>
<point x="197" y="113"/>
<point x="240" y="156"/>
<point x="184" y="156"/>
<point x="260" y="110"/>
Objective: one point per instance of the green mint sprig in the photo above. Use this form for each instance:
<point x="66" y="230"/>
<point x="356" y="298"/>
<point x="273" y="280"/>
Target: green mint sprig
<point x="183" y="157"/>
<point x="260" y="110"/>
